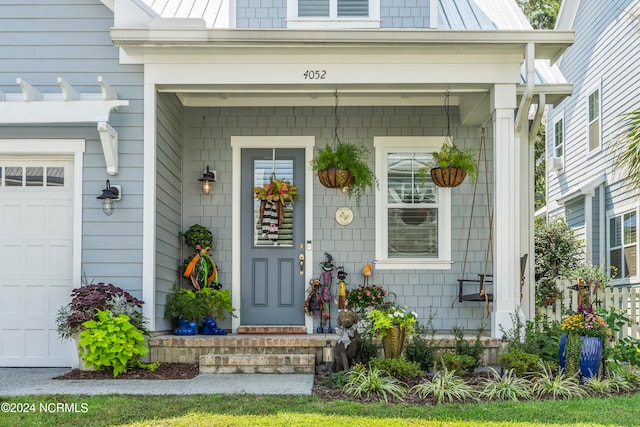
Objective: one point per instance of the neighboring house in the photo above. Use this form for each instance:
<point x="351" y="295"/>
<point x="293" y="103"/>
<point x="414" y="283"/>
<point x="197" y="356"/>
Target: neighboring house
<point x="584" y="185"/>
<point x="154" y="92"/>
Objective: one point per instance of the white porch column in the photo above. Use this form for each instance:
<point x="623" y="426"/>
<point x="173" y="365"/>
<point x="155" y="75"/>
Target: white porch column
<point x="506" y="229"/>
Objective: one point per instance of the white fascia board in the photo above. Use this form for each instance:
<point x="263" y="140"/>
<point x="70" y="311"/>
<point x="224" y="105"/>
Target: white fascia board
<point x="58" y="111"/>
<point x="588" y="187"/>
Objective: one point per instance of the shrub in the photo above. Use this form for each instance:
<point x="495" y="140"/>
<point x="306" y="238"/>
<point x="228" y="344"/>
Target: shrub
<point x="363" y="381"/>
<point x="547" y="384"/>
<point x="463" y="364"/>
<point x="521" y="362"/>
<point x="463" y="347"/>
<point x="419" y="350"/>
<point x="444" y="385"/>
<point x="369" y="349"/>
<point x="398" y="367"/>
<point x="111" y="342"/>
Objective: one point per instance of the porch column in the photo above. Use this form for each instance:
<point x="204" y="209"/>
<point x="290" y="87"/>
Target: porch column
<point x="506" y="218"/>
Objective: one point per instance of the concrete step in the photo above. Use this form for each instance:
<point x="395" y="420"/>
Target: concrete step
<point x="257" y="364"/>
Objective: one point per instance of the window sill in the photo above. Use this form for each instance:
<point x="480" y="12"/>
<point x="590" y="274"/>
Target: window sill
<point x="413" y="264"/>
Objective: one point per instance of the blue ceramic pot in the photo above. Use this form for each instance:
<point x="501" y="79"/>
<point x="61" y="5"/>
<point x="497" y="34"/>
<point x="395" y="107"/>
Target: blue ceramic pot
<point x="186" y="328"/>
<point x="590" y="356"/>
<point x="209" y="327"/>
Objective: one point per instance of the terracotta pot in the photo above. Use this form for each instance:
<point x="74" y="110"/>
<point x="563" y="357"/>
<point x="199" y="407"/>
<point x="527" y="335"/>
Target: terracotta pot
<point x="448" y="177"/>
<point x="334" y="177"/>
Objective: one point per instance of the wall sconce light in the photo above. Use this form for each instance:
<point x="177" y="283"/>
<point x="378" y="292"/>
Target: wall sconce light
<point x="208" y="177"/>
<point x="109" y="195"/>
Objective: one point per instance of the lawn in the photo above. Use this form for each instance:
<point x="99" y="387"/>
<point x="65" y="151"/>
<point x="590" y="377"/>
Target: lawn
<point x="249" y="410"/>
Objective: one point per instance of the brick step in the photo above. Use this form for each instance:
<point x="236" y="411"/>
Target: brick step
<point x="257" y="364"/>
<point x="272" y="330"/>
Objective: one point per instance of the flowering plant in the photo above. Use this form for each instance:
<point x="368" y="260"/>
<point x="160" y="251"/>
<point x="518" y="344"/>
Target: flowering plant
<point x="277" y="190"/>
<point x="366" y="296"/>
<point x="384" y="319"/>
<point x="586" y="324"/>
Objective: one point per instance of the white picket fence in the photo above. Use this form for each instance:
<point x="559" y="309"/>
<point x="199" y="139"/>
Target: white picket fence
<point x="620" y="297"/>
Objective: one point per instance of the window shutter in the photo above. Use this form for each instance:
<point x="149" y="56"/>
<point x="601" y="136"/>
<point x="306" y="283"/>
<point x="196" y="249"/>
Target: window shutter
<point x="313" y="8"/>
<point x="353" y="8"/>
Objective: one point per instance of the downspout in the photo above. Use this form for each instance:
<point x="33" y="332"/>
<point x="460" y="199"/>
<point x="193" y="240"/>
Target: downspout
<point x="527" y="96"/>
<point x="603" y="224"/>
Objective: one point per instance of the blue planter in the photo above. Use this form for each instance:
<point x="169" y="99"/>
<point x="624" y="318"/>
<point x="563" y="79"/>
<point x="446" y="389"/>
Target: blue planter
<point x="590" y="356"/>
<point x="186" y="328"/>
<point x="209" y="327"/>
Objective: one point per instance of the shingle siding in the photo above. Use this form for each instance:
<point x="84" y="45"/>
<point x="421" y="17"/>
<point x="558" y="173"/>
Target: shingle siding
<point x="207" y="140"/>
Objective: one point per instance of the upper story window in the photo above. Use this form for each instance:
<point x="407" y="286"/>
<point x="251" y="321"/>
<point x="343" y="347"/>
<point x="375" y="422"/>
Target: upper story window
<point x="333" y="14"/>
<point x="623" y="244"/>
<point x="556" y="145"/>
<point x="593" y="107"/>
<point x="413" y="223"/>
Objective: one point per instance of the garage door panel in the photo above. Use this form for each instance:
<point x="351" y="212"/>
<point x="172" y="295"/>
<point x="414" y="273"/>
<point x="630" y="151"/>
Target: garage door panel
<point x="36" y="270"/>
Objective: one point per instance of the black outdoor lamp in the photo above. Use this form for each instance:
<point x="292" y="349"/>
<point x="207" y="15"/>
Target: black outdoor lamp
<point x="328" y="357"/>
<point x="109" y="195"/>
<point x="208" y="177"/>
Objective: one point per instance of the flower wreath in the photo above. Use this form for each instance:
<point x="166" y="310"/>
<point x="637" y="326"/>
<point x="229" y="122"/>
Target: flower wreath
<point x="277" y="190"/>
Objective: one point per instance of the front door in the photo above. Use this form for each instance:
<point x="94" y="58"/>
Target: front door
<point x="272" y="274"/>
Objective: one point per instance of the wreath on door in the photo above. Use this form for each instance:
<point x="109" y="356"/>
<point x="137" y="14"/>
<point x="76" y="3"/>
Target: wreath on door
<point x="274" y="196"/>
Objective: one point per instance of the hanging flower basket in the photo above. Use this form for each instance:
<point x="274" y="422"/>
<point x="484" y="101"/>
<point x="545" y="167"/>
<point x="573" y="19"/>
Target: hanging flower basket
<point x="334" y="177"/>
<point x="448" y="177"/>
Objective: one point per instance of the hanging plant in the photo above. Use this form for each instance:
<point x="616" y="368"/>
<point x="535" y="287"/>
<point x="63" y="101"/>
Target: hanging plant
<point x="343" y="165"/>
<point x="451" y="165"/>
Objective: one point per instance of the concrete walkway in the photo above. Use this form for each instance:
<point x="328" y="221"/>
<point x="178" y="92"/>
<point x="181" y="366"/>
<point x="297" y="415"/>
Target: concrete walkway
<point x="39" y="381"/>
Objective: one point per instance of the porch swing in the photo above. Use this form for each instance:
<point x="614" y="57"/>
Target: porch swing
<point x="480" y="288"/>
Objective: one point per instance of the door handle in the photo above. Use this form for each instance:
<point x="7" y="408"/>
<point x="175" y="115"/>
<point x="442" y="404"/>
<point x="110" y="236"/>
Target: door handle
<point x="301" y="258"/>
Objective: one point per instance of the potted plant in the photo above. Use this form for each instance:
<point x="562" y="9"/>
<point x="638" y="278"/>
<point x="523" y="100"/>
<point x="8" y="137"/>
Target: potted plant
<point x="580" y="349"/>
<point x="364" y="297"/>
<point x="190" y="308"/>
<point x="344" y="165"/>
<point x="392" y="324"/>
<point x="451" y="165"/>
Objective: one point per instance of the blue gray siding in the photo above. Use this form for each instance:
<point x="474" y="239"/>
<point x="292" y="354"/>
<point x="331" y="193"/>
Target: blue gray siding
<point x="41" y="40"/>
<point x="207" y="136"/>
<point x="168" y="199"/>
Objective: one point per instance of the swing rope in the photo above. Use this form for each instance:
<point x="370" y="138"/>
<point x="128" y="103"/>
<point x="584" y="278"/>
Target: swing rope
<point x="482" y="158"/>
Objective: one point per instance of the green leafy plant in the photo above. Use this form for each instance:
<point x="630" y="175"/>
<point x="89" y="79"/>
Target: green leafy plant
<point x="111" y="342"/>
<point x="397" y="367"/>
<point x="626" y="350"/>
<point x="557" y="255"/>
<point x="628" y="149"/>
<point x="463" y="364"/>
<point x="384" y="319"/>
<point x="519" y="361"/>
<point x="626" y="374"/>
<point x="505" y="386"/>
<point x="351" y="157"/>
<point x="366" y="296"/>
<point x="603" y="386"/>
<point x="539" y="336"/>
<point x="420" y="350"/>
<point x="365" y="382"/>
<point x="454" y="157"/>
<point x="464" y="348"/>
<point x="369" y="349"/>
<point x="444" y="385"/>
<point x="561" y="385"/>
<point x="197" y="235"/>
<point x="196" y="305"/>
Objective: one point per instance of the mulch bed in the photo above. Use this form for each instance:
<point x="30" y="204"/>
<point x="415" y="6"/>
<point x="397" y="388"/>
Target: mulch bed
<point x="166" y="371"/>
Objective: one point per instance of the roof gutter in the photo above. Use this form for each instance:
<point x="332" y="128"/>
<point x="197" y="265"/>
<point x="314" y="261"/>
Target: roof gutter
<point x="525" y="102"/>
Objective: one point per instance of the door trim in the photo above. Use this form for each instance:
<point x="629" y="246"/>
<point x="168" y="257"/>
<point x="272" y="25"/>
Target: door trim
<point x="237" y="144"/>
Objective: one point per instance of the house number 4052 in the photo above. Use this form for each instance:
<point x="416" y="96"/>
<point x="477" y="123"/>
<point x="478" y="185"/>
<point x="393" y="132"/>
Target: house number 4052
<point x="315" y="74"/>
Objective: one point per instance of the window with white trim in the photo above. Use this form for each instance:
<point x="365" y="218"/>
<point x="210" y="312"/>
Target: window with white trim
<point x="593" y="111"/>
<point x="413" y="224"/>
<point x="623" y="244"/>
<point x="558" y="138"/>
<point x="333" y="13"/>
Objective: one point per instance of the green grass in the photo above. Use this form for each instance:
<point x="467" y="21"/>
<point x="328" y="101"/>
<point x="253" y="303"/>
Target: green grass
<point x="290" y="411"/>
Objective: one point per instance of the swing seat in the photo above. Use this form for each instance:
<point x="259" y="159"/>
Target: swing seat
<point x="484" y="285"/>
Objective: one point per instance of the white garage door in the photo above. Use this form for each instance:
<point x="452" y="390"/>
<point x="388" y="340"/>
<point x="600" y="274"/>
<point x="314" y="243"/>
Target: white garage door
<point x="36" y="218"/>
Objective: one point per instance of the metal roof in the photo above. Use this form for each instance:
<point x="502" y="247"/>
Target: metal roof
<point x="452" y="14"/>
